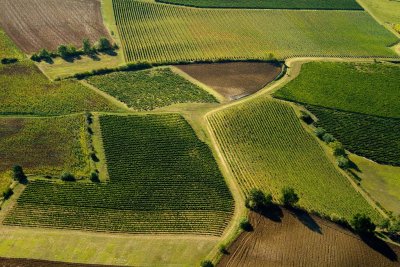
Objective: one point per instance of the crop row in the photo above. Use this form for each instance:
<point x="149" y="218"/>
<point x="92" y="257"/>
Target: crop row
<point x="165" y="33"/>
<point x="376" y="138"/>
<point x="266" y="147"/>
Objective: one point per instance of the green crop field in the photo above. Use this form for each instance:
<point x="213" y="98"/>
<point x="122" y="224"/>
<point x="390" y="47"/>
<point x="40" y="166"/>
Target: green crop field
<point x="45" y="146"/>
<point x="373" y="137"/>
<point x="278" y="4"/>
<point x="266" y="147"/>
<point x="150" y="89"/>
<point x="25" y="90"/>
<point x="357" y="87"/>
<point x="162" y="179"/>
<point x="8" y="48"/>
<point x="166" y="33"/>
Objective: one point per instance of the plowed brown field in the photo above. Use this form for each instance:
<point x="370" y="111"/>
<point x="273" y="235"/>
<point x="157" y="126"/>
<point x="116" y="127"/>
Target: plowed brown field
<point x="297" y="239"/>
<point x="233" y="80"/>
<point x="37" y="24"/>
<point x="7" y="262"/>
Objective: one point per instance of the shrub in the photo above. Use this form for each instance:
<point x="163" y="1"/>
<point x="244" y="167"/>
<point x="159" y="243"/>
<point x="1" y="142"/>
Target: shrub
<point x="18" y="174"/>
<point x="304" y="116"/>
<point x="67" y="177"/>
<point x="206" y="263"/>
<point x="289" y="196"/>
<point x="8" y="60"/>
<point x="245" y="224"/>
<point x="44" y="54"/>
<point x="328" y="138"/>
<point x="104" y="44"/>
<point x="343" y="162"/>
<point x="222" y="249"/>
<point x="8" y="193"/>
<point x="72" y="51"/>
<point x="94" y="177"/>
<point x="338" y="149"/>
<point x="362" y="224"/>
<point x="62" y="50"/>
<point x="35" y="57"/>
<point x="319" y="132"/>
<point x="87" y="47"/>
<point x="258" y="200"/>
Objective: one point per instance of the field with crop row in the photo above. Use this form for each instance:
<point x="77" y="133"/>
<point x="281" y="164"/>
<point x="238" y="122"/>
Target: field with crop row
<point x="8" y="48"/>
<point x="371" y="89"/>
<point x="372" y="137"/>
<point x="162" y="179"/>
<point x="278" y="4"/>
<point x="166" y="33"/>
<point x="150" y="89"/>
<point x="45" y="146"/>
<point x="25" y="90"/>
<point x="266" y="147"/>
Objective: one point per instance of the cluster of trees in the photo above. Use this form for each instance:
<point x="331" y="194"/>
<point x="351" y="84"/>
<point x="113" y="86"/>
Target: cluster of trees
<point x="338" y="150"/>
<point x="257" y="200"/>
<point x="68" y="51"/>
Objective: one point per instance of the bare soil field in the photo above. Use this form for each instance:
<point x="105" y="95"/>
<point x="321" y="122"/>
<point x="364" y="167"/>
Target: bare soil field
<point x="233" y="80"/>
<point x="8" y="262"/>
<point x="37" y="24"/>
<point x="297" y="239"/>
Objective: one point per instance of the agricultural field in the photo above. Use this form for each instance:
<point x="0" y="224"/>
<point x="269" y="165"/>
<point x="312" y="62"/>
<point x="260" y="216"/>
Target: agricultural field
<point x="382" y="182"/>
<point x="267" y="148"/>
<point x="376" y="138"/>
<point x="35" y="24"/>
<point x="150" y="89"/>
<point x="159" y="183"/>
<point x="233" y="80"/>
<point x="371" y="89"/>
<point x="45" y="146"/>
<point x="386" y="11"/>
<point x="271" y="4"/>
<point x="10" y="262"/>
<point x="25" y="90"/>
<point x="298" y="239"/>
<point x="8" y="48"/>
<point x="166" y="33"/>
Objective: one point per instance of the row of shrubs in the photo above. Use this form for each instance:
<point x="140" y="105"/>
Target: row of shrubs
<point x="69" y="51"/>
<point x="8" y="60"/>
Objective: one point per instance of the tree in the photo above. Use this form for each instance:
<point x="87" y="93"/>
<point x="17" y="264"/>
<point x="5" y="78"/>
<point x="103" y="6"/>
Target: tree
<point x="258" y="200"/>
<point x="104" y="44"/>
<point x="289" y="196"/>
<point x="72" y="50"/>
<point x="304" y="116"/>
<point x="94" y="177"/>
<point x="62" y="50"/>
<point x="338" y="149"/>
<point x="206" y="263"/>
<point x="319" y="132"/>
<point x="18" y="174"/>
<point x="245" y="224"/>
<point x="343" y="162"/>
<point x="328" y="138"/>
<point x="8" y="193"/>
<point x="87" y="47"/>
<point x="44" y="54"/>
<point x="67" y="177"/>
<point x="362" y="224"/>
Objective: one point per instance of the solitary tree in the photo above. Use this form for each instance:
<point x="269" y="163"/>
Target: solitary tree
<point x="18" y="174"/>
<point x="362" y="224"/>
<point x="289" y="196"/>
<point x="258" y="200"/>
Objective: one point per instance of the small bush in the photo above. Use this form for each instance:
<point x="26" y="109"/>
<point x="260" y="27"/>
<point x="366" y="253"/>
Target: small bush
<point x="289" y="196"/>
<point x="319" y="132"/>
<point x="206" y="263"/>
<point x="94" y="177"/>
<point x="245" y="225"/>
<point x="222" y="249"/>
<point x="8" y="193"/>
<point x="8" y="60"/>
<point x="68" y="177"/>
<point x="304" y="116"/>
<point x="94" y="157"/>
<point x="343" y="162"/>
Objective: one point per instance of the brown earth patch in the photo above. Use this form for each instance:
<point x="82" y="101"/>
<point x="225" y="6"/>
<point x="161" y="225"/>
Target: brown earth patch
<point x="233" y="80"/>
<point x="298" y="239"/>
<point x="9" y="262"/>
<point x="37" y="24"/>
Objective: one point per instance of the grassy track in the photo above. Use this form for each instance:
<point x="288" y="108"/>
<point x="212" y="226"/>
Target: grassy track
<point x="162" y="180"/>
<point x="357" y="87"/>
<point x="278" y="4"/>
<point x="373" y="137"/>
<point x="25" y="90"/>
<point x="8" y="48"/>
<point x="267" y="148"/>
<point x="44" y="146"/>
<point x="150" y="89"/>
<point x="166" y="33"/>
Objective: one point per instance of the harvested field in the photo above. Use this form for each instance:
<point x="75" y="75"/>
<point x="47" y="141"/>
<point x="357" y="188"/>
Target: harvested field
<point x="37" y="24"/>
<point x="235" y="79"/>
<point x="8" y="262"/>
<point x="297" y="239"/>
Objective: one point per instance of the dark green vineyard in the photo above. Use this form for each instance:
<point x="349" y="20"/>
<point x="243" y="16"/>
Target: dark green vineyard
<point x="162" y="179"/>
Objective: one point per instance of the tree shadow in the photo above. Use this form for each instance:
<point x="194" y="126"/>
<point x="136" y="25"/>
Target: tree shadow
<point x="94" y="57"/>
<point x="380" y="246"/>
<point x="110" y="53"/>
<point x="354" y="166"/>
<point x="306" y="220"/>
<point x="274" y="213"/>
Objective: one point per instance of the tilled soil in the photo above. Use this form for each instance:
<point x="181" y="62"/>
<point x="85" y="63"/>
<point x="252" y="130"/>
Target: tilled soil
<point x="37" y="24"/>
<point x="233" y="80"/>
<point x="296" y="239"/>
<point x="8" y="262"/>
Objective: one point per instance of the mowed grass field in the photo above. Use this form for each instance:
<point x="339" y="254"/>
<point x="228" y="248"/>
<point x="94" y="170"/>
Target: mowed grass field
<point x="366" y="88"/>
<point x="166" y="33"/>
<point x="45" y="146"/>
<point x="266" y="147"/>
<point x="376" y="138"/>
<point x="279" y="4"/>
<point x="25" y="90"/>
<point x="8" y="48"/>
<point x="297" y="239"/>
<point x="162" y="180"/>
<point x="150" y="89"/>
